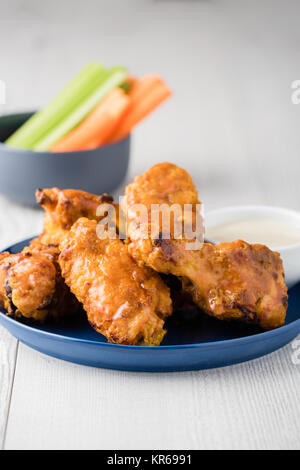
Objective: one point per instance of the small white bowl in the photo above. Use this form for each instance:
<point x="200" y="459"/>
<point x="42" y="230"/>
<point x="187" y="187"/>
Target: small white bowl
<point x="290" y="254"/>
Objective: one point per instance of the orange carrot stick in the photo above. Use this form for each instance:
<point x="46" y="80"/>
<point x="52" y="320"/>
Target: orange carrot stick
<point x="146" y="95"/>
<point x="97" y="126"/>
<point x="142" y="87"/>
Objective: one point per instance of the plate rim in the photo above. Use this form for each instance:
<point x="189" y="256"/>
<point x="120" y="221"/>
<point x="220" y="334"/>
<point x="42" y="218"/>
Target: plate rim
<point x="210" y="345"/>
<point x="258" y="337"/>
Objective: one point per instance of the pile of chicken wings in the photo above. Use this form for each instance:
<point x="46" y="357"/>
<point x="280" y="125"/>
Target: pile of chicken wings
<point x="122" y="284"/>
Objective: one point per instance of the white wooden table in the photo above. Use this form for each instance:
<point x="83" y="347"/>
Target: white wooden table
<point x="231" y="123"/>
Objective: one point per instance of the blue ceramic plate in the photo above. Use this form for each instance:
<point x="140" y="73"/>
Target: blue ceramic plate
<point x="193" y="341"/>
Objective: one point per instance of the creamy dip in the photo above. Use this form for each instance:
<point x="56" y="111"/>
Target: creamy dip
<point x="270" y="232"/>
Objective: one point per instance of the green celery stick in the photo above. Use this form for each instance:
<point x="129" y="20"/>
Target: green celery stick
<point x="110" y="80"/>
<point x="45" y="120"/>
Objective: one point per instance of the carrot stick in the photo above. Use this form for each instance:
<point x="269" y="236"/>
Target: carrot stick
<point x="141" y="88"/>
<point x="93" y="131"/>
<point x="145" y="96"/>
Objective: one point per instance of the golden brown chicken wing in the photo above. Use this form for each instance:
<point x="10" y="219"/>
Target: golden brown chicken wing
<point x="64" y="207"/>
<point x="19" y="276"/>
<point x="63" y="303"/>
<point x="229" y="281"/>
<point x="31" y="285"/>
<point x="125" y="302"/>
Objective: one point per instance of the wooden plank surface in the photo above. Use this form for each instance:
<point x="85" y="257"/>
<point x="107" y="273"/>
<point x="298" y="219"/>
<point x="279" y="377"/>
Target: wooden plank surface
<point x="17" y="223"/>
<point x="63" y="406"/>
<point x="8" y="355"/>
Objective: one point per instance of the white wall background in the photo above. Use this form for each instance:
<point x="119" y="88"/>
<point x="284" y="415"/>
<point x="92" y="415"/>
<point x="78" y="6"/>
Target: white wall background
<point x="230" y="63"/>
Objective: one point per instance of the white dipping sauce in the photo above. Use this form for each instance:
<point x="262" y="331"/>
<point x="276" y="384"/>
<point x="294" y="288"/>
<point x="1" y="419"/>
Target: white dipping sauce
<point x="270" y="232"/>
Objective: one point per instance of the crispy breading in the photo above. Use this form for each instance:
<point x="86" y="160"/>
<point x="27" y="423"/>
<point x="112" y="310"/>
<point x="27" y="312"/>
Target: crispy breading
<point x="64" y="207"/>
<point x="27" y="285"/>
<point x="125" y="302"/>
<point x="31" y="285"/>
<point x="229" y="281"/>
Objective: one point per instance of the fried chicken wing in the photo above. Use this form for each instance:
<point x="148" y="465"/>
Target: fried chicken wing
<point x="229" y="281"/>
<point x="63" y="304"/>
<point x="31" y="284"/>
<point x="232" y="281"/>
<point x="19" y="276"/>
<point x="64" y="207"/>
<point x="125" y="302"/>
<point x="169" y="187"/>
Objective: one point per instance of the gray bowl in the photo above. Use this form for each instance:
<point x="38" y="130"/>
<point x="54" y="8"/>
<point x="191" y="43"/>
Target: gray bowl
<point x="23" y="171"/>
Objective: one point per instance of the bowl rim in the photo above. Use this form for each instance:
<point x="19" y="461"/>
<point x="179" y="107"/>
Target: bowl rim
<point x="9" y="148"/>
<point x="259" y="208"/>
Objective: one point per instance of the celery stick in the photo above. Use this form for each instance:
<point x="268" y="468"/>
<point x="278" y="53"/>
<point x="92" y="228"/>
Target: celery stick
<point x="45" y="120"/>
<point x="110" y="80"/>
